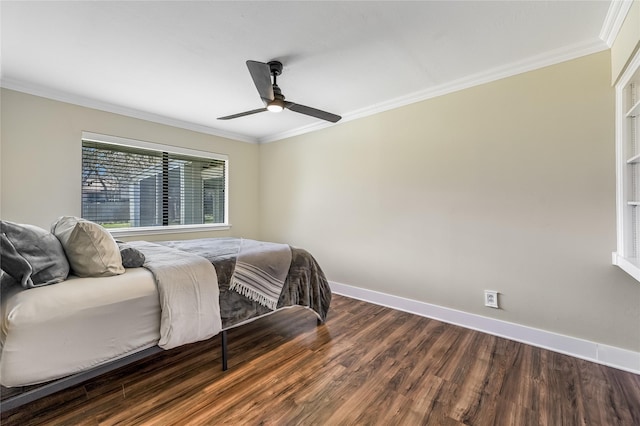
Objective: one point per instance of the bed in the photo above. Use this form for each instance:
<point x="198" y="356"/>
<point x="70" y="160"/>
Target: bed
<point x="58" y="334"/>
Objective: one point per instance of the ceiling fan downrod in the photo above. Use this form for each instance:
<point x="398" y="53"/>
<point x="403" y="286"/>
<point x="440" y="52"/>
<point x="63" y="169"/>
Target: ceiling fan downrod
<point x="277" y="104"/>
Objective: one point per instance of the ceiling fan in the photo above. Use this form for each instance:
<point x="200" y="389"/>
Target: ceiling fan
<point x="272" y="96"/>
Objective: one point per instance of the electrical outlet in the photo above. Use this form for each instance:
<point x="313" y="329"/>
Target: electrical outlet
<point x="491" y="299"/>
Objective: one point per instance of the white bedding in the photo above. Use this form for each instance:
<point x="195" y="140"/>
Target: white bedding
<point x="103" y="318"/>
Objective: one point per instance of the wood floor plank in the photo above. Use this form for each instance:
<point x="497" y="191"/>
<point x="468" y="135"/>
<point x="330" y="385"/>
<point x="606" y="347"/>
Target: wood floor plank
<point x="366" y="365"/>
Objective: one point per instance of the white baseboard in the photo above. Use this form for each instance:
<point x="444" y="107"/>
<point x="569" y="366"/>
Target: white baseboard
<point x="611" y="356"/>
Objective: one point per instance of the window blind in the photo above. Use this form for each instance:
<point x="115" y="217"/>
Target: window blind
<point x="129" y="187"/>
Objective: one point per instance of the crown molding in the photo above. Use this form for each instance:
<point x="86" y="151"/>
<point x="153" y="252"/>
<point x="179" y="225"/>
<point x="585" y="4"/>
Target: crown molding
<point x="530" y="64"/>
<point x="618" y="10"/>
<point x="56" y="95"/>
<point x="300" y="130"/>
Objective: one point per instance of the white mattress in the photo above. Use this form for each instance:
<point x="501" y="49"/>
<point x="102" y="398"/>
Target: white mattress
<point x="57" y="330"/>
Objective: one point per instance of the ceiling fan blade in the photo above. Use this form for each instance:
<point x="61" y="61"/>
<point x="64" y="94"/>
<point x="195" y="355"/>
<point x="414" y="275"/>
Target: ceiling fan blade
<point x="242" y="114"/>
<point x="261" y="75"/>
<point x="313" y="112"/>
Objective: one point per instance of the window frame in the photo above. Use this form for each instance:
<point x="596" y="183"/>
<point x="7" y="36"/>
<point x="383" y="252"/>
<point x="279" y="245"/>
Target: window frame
<point x="626" y="256"/>
<point x="168" y="229"/>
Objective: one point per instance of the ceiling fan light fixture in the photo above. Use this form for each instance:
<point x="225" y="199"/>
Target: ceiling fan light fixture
<point x="276" y="105"/>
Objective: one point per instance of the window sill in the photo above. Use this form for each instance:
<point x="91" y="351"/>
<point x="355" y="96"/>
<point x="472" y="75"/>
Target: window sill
<point x="159" y="230"/>
<point x="630" y="266"/>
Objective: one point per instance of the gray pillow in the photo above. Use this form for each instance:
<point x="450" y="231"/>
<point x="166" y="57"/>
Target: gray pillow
<point x="31" y="255"/>
<point x="131" y="256"/>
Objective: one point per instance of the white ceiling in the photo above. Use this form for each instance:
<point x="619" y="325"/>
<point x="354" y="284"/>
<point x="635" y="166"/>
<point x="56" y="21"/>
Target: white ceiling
<point x="183" y="63"/>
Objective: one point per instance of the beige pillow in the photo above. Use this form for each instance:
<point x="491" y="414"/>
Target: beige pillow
<point x="90" y="249"/>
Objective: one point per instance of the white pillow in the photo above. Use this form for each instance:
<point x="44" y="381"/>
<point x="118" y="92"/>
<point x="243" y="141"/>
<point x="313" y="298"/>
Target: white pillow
<point x="90" y="249"/>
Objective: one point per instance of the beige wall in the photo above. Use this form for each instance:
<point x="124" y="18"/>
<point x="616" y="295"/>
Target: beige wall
<point x="41" y="160"/>
<point x="508" y="186"/>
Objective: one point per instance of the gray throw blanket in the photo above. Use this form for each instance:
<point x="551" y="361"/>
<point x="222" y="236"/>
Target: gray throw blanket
<point x="260" y="272"/>
<point x="305" y="284"/>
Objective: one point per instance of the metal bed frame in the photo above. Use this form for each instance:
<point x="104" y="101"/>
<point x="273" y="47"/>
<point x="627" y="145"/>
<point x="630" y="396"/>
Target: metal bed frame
<point x="57" y="385"/>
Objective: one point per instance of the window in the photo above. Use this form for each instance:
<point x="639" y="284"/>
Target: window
<point x="138" y="185"/>
<point x="628" y="169"/>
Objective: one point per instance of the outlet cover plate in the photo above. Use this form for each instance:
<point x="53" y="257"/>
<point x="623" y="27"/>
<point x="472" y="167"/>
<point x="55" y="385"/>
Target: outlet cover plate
<point x="491" y="299"/>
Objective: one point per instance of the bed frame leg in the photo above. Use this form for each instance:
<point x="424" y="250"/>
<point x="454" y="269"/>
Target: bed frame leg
<point x="223" y="335"/>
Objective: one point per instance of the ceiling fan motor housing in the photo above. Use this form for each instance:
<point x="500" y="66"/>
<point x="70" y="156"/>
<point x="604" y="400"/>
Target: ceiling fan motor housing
<point x="277" y="93"/>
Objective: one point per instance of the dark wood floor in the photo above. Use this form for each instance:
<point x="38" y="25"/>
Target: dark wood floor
<point x="368" y="365"/>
